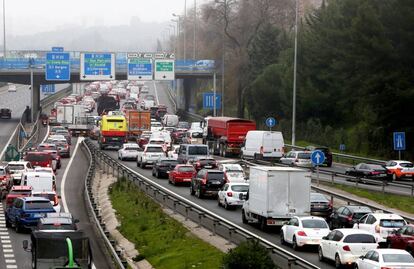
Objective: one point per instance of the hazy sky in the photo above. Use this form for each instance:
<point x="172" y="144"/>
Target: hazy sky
<point x="30" y="16"/>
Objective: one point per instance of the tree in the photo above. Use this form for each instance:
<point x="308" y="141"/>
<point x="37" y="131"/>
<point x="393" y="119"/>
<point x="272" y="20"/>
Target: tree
<point x="248" y="255"/>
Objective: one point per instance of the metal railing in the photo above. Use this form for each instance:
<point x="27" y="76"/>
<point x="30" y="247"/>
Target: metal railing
<point x="216" y="224"/>
<point x="93" y="209"/>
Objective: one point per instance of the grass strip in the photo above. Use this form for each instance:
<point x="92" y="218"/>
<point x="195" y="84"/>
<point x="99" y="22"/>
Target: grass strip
<point x="400" y="202"/>
<point x="160" y="239"/>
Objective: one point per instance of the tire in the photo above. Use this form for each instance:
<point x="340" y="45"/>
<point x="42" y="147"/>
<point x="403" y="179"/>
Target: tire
<point x="338" y="264"/>
<point x="192" y="192"/>
<point x="34" y="265"/>
<point x="282" y="238"/>
<point x="157" y="174"/>
<point x="142" y="165"/>
<point x="226" y="205"/>
<point x="244" y="219"/>
<point x="17" y="227"/>
<point x="295" y="244"/>
<point x="8" y="224"/>
<point x="320" y="254"/>
<point x="394" y="177"/>
<point x="198" y="193"/>
<point x="263" y="224"/>
<point x="255" y="157"/>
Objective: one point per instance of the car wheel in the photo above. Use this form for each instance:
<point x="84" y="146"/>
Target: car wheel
<point x="320" y="254"/>
<point x="8" y="224"/>
<point x="198" y="193"/>
<point x="263" y="224"/>
<point x="338" y="264"/>
<point x="282" y="238"/>
<point x="17" y="227"/>
<point x="295" y="244"/>
<point x="34" y="265"/>
<point x="226" y="205"/>
<point x="244" y="219"/>
<point x="394" y="176"/>
<point x="142" y="165"/>
<point x="157" y="174"/>
<point x="192" y="192"/>
<point x="218" y="200"/>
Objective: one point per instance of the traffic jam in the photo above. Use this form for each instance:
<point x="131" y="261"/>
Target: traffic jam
<point x="205" y="157"/>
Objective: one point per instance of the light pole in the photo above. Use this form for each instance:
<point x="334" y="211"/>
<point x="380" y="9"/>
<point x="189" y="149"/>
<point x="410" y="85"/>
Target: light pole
<point x="195" y="29"/>
<point x="174" y="33"/>
<point x="4" y="29"/>
<point x="224" y="2"/>
<point x="184" y="22"/>
<point x="180" y="18"/>
<point x="294" y="77"/>
<point x="177" y="36"/>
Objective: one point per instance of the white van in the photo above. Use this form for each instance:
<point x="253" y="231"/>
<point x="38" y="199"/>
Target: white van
<point x="40" y="181"/>
<point x="263" y="145"/>
<point x="170" y="120"/>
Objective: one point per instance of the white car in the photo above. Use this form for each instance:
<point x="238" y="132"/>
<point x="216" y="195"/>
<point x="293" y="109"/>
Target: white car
<point x="301" y="231"/>
<point x="128" y="151"/>
<point x="44" y="170"/>
<point x="345" y="246"/>
<point x="150" y="154"/>
<point x="229" y="195"/>
<point x="380" y="224"/>
<point x="52" y="196"/>
<point x="233" y="172"/>
<point x="297" y="158"/>
<point x="144" y="89"/>
<point x="12" y="88"/>
<point x="17" y="168"/>
<point x="156" y="126"/>
<point x="173" y="153"/>
<point x="385" y="258"/>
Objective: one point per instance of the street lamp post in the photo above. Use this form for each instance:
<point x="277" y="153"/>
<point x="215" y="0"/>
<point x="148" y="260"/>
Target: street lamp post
<point x="177" y="36"/>
<point x="4" y="29"/>
<point x="294" y="77"/>
<point x="195" y="29"/>
<point x="224" y="2"/>
<point x="180" y="18"/>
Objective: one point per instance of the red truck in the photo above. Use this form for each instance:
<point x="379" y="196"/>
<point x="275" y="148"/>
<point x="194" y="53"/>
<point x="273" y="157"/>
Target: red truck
<point x="226" y="135"/>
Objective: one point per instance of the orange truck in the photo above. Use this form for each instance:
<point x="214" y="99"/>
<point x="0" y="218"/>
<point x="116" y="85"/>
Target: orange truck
<point x="137" y="121"/>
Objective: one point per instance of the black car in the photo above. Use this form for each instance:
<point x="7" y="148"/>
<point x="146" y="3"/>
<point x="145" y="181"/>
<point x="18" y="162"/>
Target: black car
<point x="207" y="183"/>
<point x="206" y="162"/>
<point x="346" y="216"/>
<point x="325" y="150"/>
<point x="367" y="170"/>
<point x="57" y="222"/>
<point x="320" y="205"/>
<point x="5" y="113"/>
<point x="162" y="166"/>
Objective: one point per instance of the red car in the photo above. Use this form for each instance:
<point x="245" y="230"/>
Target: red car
<point x="40" y="158"/>
<point x="16" y="192"/>
<point x="402" y="238"/>
<point x="182" y="173"/>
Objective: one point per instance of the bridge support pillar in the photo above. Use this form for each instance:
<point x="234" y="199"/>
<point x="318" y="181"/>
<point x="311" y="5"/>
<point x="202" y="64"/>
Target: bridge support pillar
<point x="189" y="95"/>
<point x="35" y="101"/>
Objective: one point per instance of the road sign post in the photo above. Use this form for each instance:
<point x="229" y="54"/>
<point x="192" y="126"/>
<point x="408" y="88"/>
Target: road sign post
<point x="399" y="142"/>
<point x="139" y="68"/>
<point x="164" y="69"/>
<point x="57" y="66"/>
<point x="271" y="122"/>
<point x="317" y="158"/>
<point x="97" y="66"/>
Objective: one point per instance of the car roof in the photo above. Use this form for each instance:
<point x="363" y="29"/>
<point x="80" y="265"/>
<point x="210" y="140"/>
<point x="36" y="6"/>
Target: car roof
<point x="131" y="145"/>
<point x="213" y="171"/>
<point x="43" y="192"/>
<point x="34" y="199"/>
<point x="56" y="220"/>
<point x="348" y="231"/>
<point x="18" y="162"/>
<point x="154" y="145"/>
<point x="386" y="216"/>
<point x="358" y="208"/>
<point x="237" y="183"/>
<point x="308" y="217"/>
<point x="391" y="251"/>
<point x="17" y="187"/>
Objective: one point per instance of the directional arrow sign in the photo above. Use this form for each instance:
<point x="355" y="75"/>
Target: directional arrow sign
<point x="57" y="66"/>
<point x="164" y="69"/>
<point x="399" y="140"/>
<point x="97" y="66"/>
<point x="271" y="122"/>
<point x="139" y="68"/>
<point x="317" y="157"/>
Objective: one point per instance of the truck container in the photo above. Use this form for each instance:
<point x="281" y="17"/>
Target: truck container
<point x="66" y="114"/>
<point x="170" y="120"/>
<point x="276" y="194"/>
<point x="113" y="131"/>
<point x="137" y="121"/>
<point x="225" y="136"/>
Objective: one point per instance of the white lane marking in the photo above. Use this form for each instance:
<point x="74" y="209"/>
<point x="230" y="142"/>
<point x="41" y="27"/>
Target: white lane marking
<point x="6" y="241"/>
<point x="10" y="261"/>
<point x="156" y="93"/>
<point x="2" y="226"/>
<point x="93" y="266"/>
<point x="7" y="246"/>
<point x="5" y="237"/>
<point x="47" y="133"/>
<point x="4" y="233"/>
<point x="8" y="255"/>
<point x="62" y="185"/>
<point x="11" y="266"/>
<point x="8" y="142"/>
<point x="9" y="250"/>
<point x="3" y="229"/>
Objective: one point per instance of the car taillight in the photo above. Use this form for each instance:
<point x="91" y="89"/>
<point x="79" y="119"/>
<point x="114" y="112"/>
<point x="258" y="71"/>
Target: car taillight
<point x="346" y="248"/>
<point x="203" y="181"/>
<point x="349" y="218"/>
<point x="48" y="165"/>
<point x="103" y="139"/>
<point x="55" y="201"/>
<point x="198" y="164"/>
<point x="377" y="229"/>
<point x="330" y="204"/>
<point x="229" y="194"/>
<point x="283" y="150"/>
<point x="301" y="233"/>
<point x="296" y="160"/>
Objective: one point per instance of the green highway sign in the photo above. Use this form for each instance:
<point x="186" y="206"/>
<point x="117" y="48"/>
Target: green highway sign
<point x="164" y="69"/>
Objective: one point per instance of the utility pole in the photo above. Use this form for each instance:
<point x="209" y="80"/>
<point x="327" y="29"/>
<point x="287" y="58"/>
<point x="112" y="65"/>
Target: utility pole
<point x="4" y="29"/>
<point x="184" y="22"/>
<point x="294" y="77"/>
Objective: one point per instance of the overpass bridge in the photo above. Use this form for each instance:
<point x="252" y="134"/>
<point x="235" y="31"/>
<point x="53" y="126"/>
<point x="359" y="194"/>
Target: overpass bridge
<point x="28" y="68"/>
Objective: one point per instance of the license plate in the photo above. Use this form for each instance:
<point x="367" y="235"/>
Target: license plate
<point x="409" y="175"/>
<point x="39" y="215"/>
<point x="114" y="139"/>
<point x="208" y="166"/>
<point x="187" y="179"/>
<point x="77" y="132"/>
<point x="215" y="182"/>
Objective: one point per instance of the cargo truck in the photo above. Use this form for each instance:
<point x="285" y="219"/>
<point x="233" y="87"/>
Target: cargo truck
<point x="225" y="136"/>
<point x="113" y="131"/>
<point x="66" y="114"/>
<point x="137" y="121"/>
<point x="275" y="195"/>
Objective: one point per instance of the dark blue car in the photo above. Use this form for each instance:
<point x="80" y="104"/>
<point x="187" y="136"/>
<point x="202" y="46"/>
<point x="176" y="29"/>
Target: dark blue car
<point x="26" y="211"/>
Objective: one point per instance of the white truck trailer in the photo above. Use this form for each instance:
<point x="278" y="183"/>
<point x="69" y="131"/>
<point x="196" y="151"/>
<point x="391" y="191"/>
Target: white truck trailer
<point x="275" y="195"/>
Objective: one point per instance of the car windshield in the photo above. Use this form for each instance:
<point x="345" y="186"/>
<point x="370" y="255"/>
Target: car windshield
<point x="38" y="157"/>
<point x="317" y="197"/>
<point x="376" y="167"/>
<point x="358" y="215"/>
<point x="314" y="223"/>
<point x="16" y="167"/>
<point x="20" y="192"/>
<point x="360" y="238"/>
<point x="186" y="169"/>
<point x="49" y="196"/>
<point x="240" y="188"/>
<point x="56" y="226"/>
<point x="169" y="162"/>
<point x="38" y="205"/>
<point x="304" y="155"/>
<point x="398" y="258"/>
<point x="43" y="147"/>
<point x="149" y="98"/>
<point x="132" y="148"/>
<point x="197" y="150"/>
<point x="233" y="168"/>
<point x="215" y="176"/>
<point x="395" y="223"/>
<point x="154" y="149"/>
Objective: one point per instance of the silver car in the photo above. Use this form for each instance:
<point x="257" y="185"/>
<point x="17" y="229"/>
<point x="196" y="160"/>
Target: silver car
<point x="297" y="158"/>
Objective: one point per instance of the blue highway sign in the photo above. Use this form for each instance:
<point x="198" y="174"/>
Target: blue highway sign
<point x="48" y="89"/>
<point x="97" y="66"/>
<point x="139" y="68"/>
<point x="399" y="140"/>
<point x="317" y="157"/>
<point x="57" y="66"/>
<point x="57" y="49"/>
<point x="271" y="122"/>
<point x="208" y="100"/>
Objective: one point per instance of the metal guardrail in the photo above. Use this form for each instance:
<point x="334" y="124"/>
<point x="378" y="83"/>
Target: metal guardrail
<point x="94" y="211"/>
<point x="207" y="219"/>
<point x="172" y="97"/>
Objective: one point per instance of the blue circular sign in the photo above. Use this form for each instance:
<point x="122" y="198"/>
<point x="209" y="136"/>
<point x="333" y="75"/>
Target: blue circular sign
<point x="271" y="122"/>
<point x="317" y="157"/>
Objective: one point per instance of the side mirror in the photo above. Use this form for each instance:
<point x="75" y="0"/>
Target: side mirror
<point x="362" y="257"/>
<point x="75" y="221"/>
<point x="325" y="238"/>
<point x="26" y="245"/>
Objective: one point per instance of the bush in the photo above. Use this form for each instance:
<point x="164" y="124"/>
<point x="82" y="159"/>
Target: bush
<point x="248" y="255"/>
